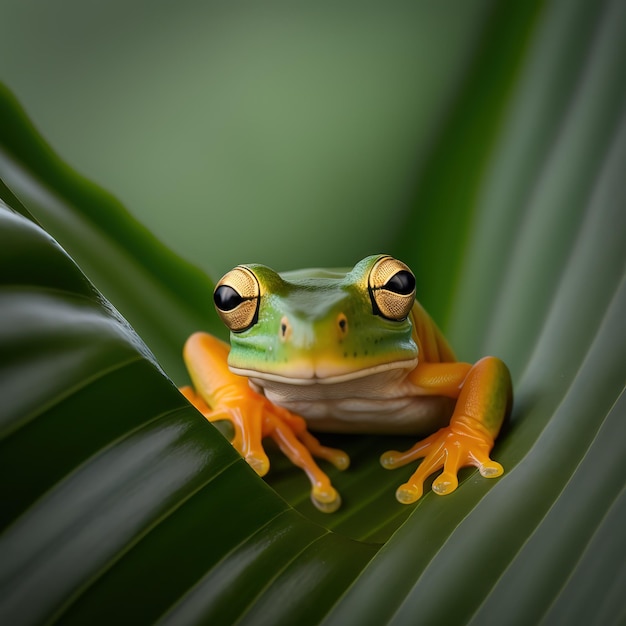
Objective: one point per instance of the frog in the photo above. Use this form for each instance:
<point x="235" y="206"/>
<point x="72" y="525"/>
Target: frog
<point x="344" y="351"/>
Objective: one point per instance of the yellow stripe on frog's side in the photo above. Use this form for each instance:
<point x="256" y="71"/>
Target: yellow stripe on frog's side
<point x="432" y="346"/>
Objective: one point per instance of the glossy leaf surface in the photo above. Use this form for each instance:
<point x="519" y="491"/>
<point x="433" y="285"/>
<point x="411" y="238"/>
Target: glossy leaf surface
<point x="120" y="502"/>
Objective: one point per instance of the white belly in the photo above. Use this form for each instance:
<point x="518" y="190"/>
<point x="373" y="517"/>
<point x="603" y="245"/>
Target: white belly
<point x="381" y="403"/>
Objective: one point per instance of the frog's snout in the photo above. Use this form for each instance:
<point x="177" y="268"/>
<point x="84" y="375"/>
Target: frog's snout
<point x="301" y="335"/>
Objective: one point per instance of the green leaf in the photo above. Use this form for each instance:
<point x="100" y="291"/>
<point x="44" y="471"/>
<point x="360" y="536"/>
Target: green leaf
<point x="107" y="471"/>
<point x="173" y="298"/>
<point x="120" y="503"/>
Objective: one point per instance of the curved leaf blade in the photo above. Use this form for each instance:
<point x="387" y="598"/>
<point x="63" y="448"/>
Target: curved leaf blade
<point x="108" y="475"/>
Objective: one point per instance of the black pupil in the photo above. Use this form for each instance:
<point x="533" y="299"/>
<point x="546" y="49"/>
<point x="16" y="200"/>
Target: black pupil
<point x="402" y="282"/>
<point x="226" y="298"/>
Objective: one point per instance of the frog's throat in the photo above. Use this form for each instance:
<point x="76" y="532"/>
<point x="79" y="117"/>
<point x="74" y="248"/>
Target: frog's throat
<point x="316" y="379"/>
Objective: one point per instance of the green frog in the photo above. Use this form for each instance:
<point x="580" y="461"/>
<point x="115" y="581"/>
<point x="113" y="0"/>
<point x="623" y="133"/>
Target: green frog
<point x="347" y="351"/>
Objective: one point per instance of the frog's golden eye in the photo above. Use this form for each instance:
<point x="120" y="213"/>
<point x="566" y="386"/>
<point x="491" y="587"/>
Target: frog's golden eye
<point x="392" y="288"/>
<point x="236" y="298"/>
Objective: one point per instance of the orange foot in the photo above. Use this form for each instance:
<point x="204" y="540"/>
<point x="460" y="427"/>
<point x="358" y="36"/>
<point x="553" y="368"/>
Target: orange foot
<point x="253" y="418"/>
<point x="450" y="448"/>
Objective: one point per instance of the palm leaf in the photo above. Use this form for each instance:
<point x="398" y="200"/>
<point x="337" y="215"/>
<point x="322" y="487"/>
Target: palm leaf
<point x="120" y="503"/>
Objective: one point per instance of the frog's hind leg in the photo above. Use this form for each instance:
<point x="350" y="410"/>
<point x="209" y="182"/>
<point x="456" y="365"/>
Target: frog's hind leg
<point x="323" y="495"/>
<point x="338" y="458"/>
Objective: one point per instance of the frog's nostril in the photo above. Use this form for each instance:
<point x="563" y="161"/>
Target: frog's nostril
<point x="342" y="325"/>
<point x="285" y="329"/>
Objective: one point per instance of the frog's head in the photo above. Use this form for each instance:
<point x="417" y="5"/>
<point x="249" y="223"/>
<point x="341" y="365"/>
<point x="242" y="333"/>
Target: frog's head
<point x="319" y="326"/>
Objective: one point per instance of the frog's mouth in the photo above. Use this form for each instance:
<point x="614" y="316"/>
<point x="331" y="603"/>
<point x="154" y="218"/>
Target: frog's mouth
<point x="322" y="374"/>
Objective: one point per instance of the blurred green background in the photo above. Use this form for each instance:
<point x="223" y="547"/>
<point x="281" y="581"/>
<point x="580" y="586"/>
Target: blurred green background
<point x="315" y="116"/>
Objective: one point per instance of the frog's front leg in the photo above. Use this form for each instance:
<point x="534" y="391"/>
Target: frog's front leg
<point x="484" y="398"/>
<point x="221" y="395"/>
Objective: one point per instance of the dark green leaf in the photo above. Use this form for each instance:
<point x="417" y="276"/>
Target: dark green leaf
<point x="120" y="503"/>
